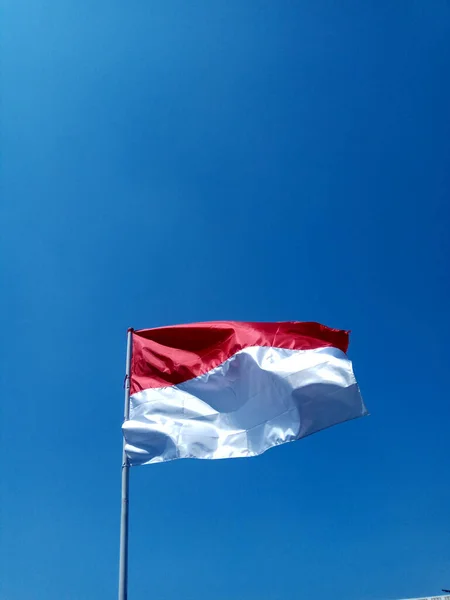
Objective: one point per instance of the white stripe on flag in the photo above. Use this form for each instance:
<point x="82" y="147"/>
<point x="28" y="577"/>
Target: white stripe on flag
<point x="259" y="398"/>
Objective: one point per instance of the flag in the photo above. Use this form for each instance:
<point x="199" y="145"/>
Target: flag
<point x="228" y="389"/>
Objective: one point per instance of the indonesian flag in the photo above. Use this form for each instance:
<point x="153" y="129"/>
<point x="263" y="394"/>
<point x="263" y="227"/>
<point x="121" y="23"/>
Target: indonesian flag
<point x="226" y="389"/>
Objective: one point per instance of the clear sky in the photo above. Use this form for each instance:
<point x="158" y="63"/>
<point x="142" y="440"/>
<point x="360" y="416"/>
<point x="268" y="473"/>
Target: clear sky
<point x="169" y="161"/>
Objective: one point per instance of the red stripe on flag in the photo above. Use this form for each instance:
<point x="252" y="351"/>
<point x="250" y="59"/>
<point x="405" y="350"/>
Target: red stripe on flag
<point x="170" y="355"/>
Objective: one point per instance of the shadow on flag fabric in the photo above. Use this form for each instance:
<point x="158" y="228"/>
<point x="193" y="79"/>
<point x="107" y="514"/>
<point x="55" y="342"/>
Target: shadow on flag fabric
<point x="227" y="389"/>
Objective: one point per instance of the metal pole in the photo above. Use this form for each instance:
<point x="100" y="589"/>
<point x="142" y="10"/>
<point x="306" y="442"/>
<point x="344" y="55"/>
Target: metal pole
<point x="123" y="561"/>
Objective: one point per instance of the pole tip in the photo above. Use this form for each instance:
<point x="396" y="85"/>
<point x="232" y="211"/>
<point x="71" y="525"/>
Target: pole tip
<point x="130" y="330"/>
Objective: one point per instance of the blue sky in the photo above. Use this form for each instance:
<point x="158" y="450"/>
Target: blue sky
<point x="167" y="162"/>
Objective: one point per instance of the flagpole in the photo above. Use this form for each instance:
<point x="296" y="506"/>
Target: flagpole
<point x="123" y="560"/>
